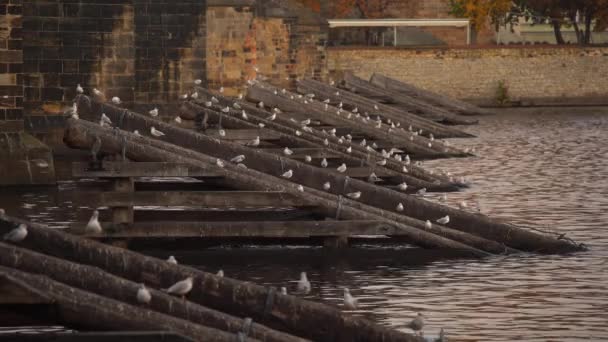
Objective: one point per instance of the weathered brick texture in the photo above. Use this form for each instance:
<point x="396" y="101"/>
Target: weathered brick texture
<point x="531" y="74"/>
<point x="11" y="63"/>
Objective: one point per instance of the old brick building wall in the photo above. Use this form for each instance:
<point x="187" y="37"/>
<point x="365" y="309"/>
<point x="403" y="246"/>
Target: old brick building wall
<point x="11" y="58"/>
<point x="533" y="75"/>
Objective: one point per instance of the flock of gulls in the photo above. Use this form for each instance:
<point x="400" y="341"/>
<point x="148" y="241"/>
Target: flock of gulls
<point x="183" y="287"/>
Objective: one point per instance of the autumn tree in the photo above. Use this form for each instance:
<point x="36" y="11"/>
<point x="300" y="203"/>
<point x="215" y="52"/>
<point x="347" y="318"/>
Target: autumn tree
<point x="480" y="12"/>
<point x="369" y="9"/>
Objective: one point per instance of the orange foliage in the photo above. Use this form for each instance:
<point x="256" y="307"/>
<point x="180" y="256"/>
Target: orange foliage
<point x="478" y="11"/>
<point x="368" y="8"/>
<point x="314" y="5"/>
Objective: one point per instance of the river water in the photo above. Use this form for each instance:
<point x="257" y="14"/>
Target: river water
<point x="535" y="168"/>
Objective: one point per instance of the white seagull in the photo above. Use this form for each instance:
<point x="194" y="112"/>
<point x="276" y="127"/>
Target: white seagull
<point x="284" y="290"/>
<point x="254" y="142"/>
<point x="79" y="89"/>
<point x="97" y="93"/>
<point x="350" y="302"/>
<point x="421" y="192"/>
<point x="444" y="220"/>
<point x="93" y="225"/>
<point x="16" y="235"/>
<point x="171" y="259"/>
<point x="287" y="174"/>
<point x="354" y="195"/>
<point x="324" y="163"/>
<point x="428" y="224"/>
<point x="303" y="283"/>
<point x="154" y="112"/>
<point x="181" y="288"/>
<point x="287" y="151"/>
<point x="238" y="159"/>
<point x="402" y="186"/>
<point x="116" y="100"/>
<point x="136" y="132"/>
<point x="106" y="119"/>
<point x="220" y="273"/>
<point x="156" y="132"/>
<point x="381" y="162"/>
<point x="178" y="119"/>
<point x="342" y="168"/>
<point x="198" y="82"/>
<point x="326" y="186"/>
<point x="400" y="206"/>
<point x="308" y="159"/>
<point x="219" y="162"/>
<point x="143" y="295"/>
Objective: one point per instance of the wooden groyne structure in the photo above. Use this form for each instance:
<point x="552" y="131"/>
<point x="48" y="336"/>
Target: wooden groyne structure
<point x="324" y="165"/>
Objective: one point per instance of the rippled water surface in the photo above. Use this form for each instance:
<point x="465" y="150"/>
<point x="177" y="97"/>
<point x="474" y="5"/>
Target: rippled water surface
<point x="535" y="168"/>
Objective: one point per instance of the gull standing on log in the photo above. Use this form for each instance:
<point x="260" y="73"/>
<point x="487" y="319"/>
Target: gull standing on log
<point x="341" y="168"/>
<point x="308" y="159"/>
<point x="178" y="119"/>
<point x="156" y="132"/>
<point x="181" y="288"/>
<point x="79" y="89"/>
<point x="428" y="224"/>
<point x="106" y="119"/>
<point x="238" y="159"/>
<point x="93" y="225"/>
<point x="402" y="186"/>
<point x="350" y="302"/>
<point x="324" y="163"/>
<point x="417" y="323"/>
<point x="287" y="151"/>
<point x="444" y="220"/>
<point x="287" y="174"/>
<point x="16" y="235"/>
<point x="143" y="295"/>
<point x="354" y="195"/>
<point x="219" y="162"/>
<point x="399" y="207"/>
<point x="171" y="259"/>
<point x="303" y="283"/>
<point x="220" y="273"/>
<point x="116" y="100"/>
<point x="255" y="142"/>
<point x="154" y="112"/>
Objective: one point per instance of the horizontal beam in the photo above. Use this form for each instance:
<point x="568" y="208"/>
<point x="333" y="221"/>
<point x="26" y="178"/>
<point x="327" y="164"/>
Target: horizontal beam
<point x="244" y="134"/>
<point x="140" y="169"/>
<point x="302" y="152"/>
<point x="104" y="336"/>
<point x="397" y="22"/>
<point x="364" y="172"/>
<point x="212" y="199"/>
<point x="271" y="229"/>
<point x="12" y="292"/>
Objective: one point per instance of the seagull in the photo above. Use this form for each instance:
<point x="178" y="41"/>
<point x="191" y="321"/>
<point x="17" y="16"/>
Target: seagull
<point x="326" y="186"/>
<point x="284" y="290"/>
<point x="240" y="97"/>
<point x="254" y="142"/>
<point x="181" y="288"/>
<point x="17" y="234"/>
<point x="244" y="115"/>
<point x="462" y="205"/>
<point x="236" y="106"/>
<point x="214" y="99"/>
<point x="194" y="95"/>
<point x="341" y="168"/>
<point x="363" y="142"/>
<point x="305" y="122"/>
<point x="238" y="159"/>
<point x="222" y="133"/>
<point x="105" y="118"/>
<point x="407" y="159"/>
<point x="402" y="186"/>
<point x="220" y="273"/>
<point x="287" y="151"/>
<point x="79" y="89"/>
<point x="156" y="132"/>
<point x="354" y="195"/>
<point x="404" y="169"/>
<point x="428" y="224"/>
<point x="277" y="110"/>
<point x="272" y="117"/>
<point x="376" y="107"/>
<point x="324" y="163"/>
<point x="208" y="104"/>
<point x="287" y="174"/>
<point x="143" y="295"/>
<point x="198" y="82"/>
<point x="332" y="132"/>
<point x="116" y="100"/>
<point x="381" y="162"/>
<point x="350" y="302"/>
<point x="400" y="206"/>
<point x="374" y="145"/>
<point x="178" y="119"/>
<point x="300" y="188"/>
<point x="154" y="112"/>
<point x="241" y="165"/>
<point x="226" y="109"/>
<point x="219" y="162"/>
<point x="417" y="323"/>
<point x="183" y="96"/>
<point x="431" y="137"/>
<point x="172" y="260"/>
<point x="221" y="89"/>
<point x="429" y="145"/>
<point x="349" y="149"/>
<point x="373" y="178"/>
<point x="325" y="142"/>
<point x="421" y="192"/>
<point x="261" y="104"/>
<point x="97" y="93"/>
<point x="298" y="133"/>
<point x="303" y="283"/>
<point x="93" y="225"/>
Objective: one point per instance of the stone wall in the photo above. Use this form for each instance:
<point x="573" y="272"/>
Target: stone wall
<point x="11" y="59"/>
<point x="532" y="75"/>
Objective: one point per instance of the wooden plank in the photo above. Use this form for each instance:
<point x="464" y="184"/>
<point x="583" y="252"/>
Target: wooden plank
<point x="271" y="229"/>
<point x="141" y="169"/>
<point x="304" y="151"/>
<point x="12" y="292"/>
<point x="238" y="214"/>
<point x="364" y="172"/>
<point x="102" y="336"/>
<point x="244" y="134"/>
<point x="211" y="199"/>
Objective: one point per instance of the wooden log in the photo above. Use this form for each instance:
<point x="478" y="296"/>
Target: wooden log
<point x="83" y="134"/>
<point x="95" y="280"/>
<point x="287" y="229"/>
<point x="314" y="109"/>
<point x="416" y="176"/>
<point x="303" y="318"/>
<point x="409" y="103"/>
<point x="90" y="310"/>
<point x="209" y="199"/>
<point x="245" y="134"/>
<point x="103" y="336"/>
<point x="352" y="100"/>
<point x="127" y="169"/>
<point x="449" y="103"/>
<point x="79" y="134"/>
<point x="229" y="214"/>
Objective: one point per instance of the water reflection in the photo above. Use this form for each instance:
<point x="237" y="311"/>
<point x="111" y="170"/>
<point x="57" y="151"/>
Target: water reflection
<point x="545" y="170"/>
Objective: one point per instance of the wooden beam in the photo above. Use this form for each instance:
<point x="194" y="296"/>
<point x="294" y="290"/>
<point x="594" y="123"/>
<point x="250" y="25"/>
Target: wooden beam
<point x="14" y="292"/>
<point x="140" y="169"/>
<point x="299" y="152"/>
<point x="365" y="171"/>
<point x="287" y="229"/>
<point x="210" y="199"/>
<point x="102" y="336"/>
<point x="244" y="134"/>
<point x="228" y="214"/>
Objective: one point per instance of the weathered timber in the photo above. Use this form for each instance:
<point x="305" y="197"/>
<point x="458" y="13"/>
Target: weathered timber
<point x="81" y="134"/>
<point x="90" y="310"/>
<point x="409" y="103"/>
<point x="317" y="139"/>
<point x="299" y="152"/>
<point x="12" y="293"/>
<point x="95" y="280"/>
<point x="241" y="214"/>
<point x="352" y="100"/>
<point x="314" y="109"/>
<point x="244" y="134"/>
<point x="265" y="305"/>
<point x="125" y="169"/>
<point x="102" y="336"/>
<point x="209" y="199"/>
<point x="416" y="177"/>
<point x="287" y="229"/>
<point x="449" y="103"/>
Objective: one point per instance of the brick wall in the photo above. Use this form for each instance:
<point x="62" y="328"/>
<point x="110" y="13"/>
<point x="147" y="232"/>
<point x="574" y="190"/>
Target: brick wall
<point x="143" y="51"/>
<point x="554" y="75"/>
<point x="11" y="58"/>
